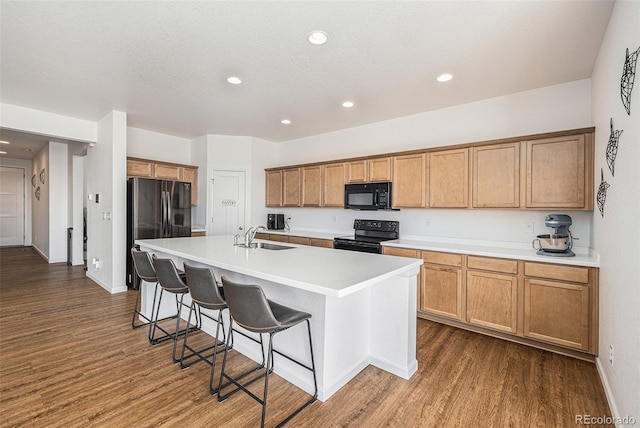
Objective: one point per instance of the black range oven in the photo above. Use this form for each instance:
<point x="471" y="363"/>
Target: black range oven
<point x="368" y="236"/>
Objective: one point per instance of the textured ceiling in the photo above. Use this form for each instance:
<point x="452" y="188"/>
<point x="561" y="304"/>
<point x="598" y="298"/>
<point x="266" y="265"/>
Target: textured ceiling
<point x="165" y="63"/>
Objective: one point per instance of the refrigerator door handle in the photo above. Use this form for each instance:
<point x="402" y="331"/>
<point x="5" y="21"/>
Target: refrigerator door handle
<point x="169" y="224"/>
<point x="164" y="214"/>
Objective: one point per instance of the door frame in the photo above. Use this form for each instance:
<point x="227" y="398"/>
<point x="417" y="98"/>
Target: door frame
<point x="26" y="202"/>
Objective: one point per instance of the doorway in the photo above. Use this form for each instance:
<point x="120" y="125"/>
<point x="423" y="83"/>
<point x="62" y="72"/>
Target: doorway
<point x="228" y="202"/>
<point x="11" y="206"/>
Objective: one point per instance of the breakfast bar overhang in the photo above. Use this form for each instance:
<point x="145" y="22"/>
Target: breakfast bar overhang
<point x="363" y="305"/>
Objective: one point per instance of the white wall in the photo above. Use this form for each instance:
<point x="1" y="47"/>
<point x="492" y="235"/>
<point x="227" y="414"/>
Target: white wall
<point x="40" y="207"/>
<point x="56" y="185"/>
<point x="106" y="220"/>
<point x="552" y="108"/>
<point x="153" y="145"/>
<point x="27" y="166"/>
<point x="616" y="236"/>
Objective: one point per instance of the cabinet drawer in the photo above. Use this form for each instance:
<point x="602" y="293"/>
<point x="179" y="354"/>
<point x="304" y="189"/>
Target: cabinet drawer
<point x="316" y="242"/>
<point x="300" y="240"/>
<point x="562" y="273"/>
<point x="493" y="265"/>
<point x="442" y="258"/>
<point x="280" y="238"/>
<point x="400" y="252"/>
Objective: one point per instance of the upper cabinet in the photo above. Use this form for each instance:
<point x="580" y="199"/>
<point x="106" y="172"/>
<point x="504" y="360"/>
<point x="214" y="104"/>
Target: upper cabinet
<point x="560" y="173"/>
<point x="291" y="187"/>
<point x="496" y="176"/>
<point x="449" y="179"/>
<point x="364" y="170"/>
<point x="333" y="179"/>
<point x="274" y="188"/>
<point x="165" y="171"/>
<point x="409" y="181"/>
<point x="544" y="171"/>
<point x="311" y="186"/>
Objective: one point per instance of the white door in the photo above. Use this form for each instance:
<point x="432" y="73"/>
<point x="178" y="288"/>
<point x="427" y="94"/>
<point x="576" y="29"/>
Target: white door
<point x="228" y="202"/>
<point x="11" y="206"/>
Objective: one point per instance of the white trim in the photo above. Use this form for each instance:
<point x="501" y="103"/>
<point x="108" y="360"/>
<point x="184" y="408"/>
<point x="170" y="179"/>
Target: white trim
<point x="106" y="286"/>
<point x="607" y="391"/>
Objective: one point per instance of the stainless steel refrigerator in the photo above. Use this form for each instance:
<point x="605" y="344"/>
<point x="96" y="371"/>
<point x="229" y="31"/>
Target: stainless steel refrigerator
<point x="155" y="209"/>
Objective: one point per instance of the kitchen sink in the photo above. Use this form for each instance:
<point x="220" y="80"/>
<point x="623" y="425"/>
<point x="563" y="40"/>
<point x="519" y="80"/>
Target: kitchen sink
<point x="267" y="246"/>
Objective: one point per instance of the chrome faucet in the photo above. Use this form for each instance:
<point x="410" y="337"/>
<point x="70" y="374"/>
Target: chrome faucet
<point x="250" y="235"/>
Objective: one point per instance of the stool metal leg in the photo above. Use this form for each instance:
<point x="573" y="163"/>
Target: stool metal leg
<point x="137" y="310"/>
<point x="201" y="354"/>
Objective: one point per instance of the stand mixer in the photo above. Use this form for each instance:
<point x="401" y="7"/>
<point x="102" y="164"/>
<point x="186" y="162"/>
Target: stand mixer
<point x="559" y="243"/>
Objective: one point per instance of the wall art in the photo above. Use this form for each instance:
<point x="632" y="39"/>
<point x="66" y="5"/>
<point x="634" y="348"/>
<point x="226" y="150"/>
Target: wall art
<point x="628" y="77"/>
<point x="37" y="193"/>
<point x="602" y="193"/>
<point x="42" y="176"/>
<point x="612" y="146"/>
<point x="33" y="180"/>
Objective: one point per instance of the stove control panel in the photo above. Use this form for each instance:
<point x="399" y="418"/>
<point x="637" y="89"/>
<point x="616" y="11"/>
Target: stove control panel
<point x="381" y="225"/>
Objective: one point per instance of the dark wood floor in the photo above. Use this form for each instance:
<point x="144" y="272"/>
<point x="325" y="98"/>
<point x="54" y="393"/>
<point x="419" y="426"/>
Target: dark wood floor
<point x="69" y="358"/>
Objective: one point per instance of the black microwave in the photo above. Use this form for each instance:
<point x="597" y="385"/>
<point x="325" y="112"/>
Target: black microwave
<point x="368" y="196"/>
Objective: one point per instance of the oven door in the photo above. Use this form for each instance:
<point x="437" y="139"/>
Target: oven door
<point x="353" y="245"/>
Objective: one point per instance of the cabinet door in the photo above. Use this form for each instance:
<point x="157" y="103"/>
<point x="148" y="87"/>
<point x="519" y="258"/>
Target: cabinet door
<point x="557" y="312"/>
<point x="300" y="240"/>
<point x="449" y="179"/>
<point x="496" y="176"/>
<point x="409" y="181"/>
<point x="139" y="168"/>
<point x="291" y="187"/>
<point x="357" y="171"/>
<point x="317" y="242"/>
<point x="279" y="238"/>
<point x="492" y="301"/>
<point x="556" y="172"/>
<point x="167" y="171"/>
<point x="380" y="169"/>
<point x="333" y="179"/>
<point x="273" y="192"/>
<point x="441" y="291"/>
<point x="190" y="175"/>
<point x="311" y="186"/>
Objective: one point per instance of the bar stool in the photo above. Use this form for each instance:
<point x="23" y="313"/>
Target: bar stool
<point x="250" y="309"/>
<point x="145" y="271"/>
<point x="171" y="282"/>
<point x="205" y="294"/>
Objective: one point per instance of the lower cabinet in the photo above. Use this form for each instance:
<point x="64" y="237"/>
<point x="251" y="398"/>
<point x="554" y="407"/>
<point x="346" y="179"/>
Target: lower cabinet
<point x="492" y="301"/>
<point x="546" y="305"/>
<point x="300" y="240"/>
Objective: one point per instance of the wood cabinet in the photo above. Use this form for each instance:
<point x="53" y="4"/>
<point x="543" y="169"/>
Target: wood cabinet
<point x="165" y="171"/>
<point x="364" y="170"/>
<point x="300" y="240"/>
<point x="441" y="284"/>
<point x="198" y="233"/>
<point x="559" y="305"/>
<point x="409" y="181"/>
<point x="311" y="177"/>
<point x="492" y="293"/>
<point x="279" y="238"/>
<point x="495" y="178"/>
<point x="291" y="187"/>
<point x="558" y="170"/>
<point x="333" y="179"/>
<point x="273" y="191"/>
<point x="139" y="168"/>
<point x="317" y="242"/>
<point x="449" y="179"/>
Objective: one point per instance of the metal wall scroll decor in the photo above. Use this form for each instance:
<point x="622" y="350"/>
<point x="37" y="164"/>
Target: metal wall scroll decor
<point x="37" y="193"/>
<point x="628" y="77"/>
<point x="33" y="180"/>
<point x="42" y="175"/>
<point x="612" y="146"/>
<point x="602" y="193"/>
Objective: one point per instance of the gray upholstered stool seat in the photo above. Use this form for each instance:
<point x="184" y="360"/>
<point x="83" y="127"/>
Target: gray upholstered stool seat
<point x="250" y="309"/>
<point x="172" y="282"/>
<point x="145" y="272"/>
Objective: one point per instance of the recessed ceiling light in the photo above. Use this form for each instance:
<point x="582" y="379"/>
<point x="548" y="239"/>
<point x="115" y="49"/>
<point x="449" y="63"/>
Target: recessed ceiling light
<point x="285" y="122"/>
<point x="28" y="150"/>
<point x="318" y="37"/>
<point x="444" y="77"/>
<point x="347" y="104"/>
<point x="4" y="142"/>
<point x="2" y="153"/>
<point x="234" y="80"/>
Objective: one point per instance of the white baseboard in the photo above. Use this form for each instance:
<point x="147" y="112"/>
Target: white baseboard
<point x="607" y="391"/>
<point x="106" y="286"/>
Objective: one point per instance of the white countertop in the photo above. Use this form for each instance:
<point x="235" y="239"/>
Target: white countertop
<point x="585" y="258"/>
<point x="306" y="233"/>
<point x="335" y="273"/>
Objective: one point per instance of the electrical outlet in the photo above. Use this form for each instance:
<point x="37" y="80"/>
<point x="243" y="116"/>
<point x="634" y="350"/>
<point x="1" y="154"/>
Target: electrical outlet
<point x="611" y="354"/>
<point x="528" y="227"/>
<point x="427" y="223"/>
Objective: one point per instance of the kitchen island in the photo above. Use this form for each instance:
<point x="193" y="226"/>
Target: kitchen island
<point x="363" y="305"/>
